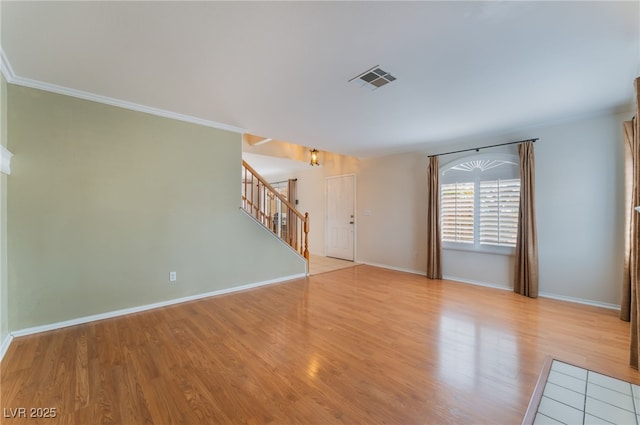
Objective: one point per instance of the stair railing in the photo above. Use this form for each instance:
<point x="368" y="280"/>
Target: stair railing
<point x="273" y="211"/>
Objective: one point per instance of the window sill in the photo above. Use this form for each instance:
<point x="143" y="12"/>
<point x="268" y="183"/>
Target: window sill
<point x="485" y="249"/>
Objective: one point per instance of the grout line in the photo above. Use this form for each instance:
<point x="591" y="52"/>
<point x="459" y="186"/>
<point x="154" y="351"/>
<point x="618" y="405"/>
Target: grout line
<point x="606" y="402"/>
<point x="562" y="402"/>
<point x="566" y="374"/>
<point x="611" y="389"/>
<point x="602" y="419"/>
<point x="565" y="388"/>
<point x="570" y="376"/>
<point x="584" y="406"/>
<point x="549" y="417"/>
<point x="635" y="408"/>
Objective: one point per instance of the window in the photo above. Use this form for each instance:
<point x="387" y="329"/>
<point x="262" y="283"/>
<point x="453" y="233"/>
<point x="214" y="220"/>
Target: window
<point x="457" y="212"/>
<point x="479" y="202"/>
<point x="499" y="203"/>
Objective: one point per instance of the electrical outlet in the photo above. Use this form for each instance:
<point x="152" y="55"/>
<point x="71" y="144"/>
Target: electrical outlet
<point x="172" y="276"/>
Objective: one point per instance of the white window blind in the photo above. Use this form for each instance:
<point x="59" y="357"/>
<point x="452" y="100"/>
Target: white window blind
<point x="457" y="212"/>
<point x="499" y="204"/>
<point x="480" y="202"/>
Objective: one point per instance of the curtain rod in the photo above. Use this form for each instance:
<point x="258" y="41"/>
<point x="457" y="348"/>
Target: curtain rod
<point x="485" y="147"/>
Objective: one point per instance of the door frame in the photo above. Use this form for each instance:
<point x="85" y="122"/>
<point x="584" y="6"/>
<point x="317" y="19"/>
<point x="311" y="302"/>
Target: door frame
<point x="355" y="215"/>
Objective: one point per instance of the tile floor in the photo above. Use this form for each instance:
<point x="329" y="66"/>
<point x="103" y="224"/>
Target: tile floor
<point x="573" y="395"/>
<point x="319" y="264"/>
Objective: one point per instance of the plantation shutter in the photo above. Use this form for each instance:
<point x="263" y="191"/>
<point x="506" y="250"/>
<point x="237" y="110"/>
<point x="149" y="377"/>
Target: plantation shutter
<point x="499" y="203"/>
<point x="457" y="212"/>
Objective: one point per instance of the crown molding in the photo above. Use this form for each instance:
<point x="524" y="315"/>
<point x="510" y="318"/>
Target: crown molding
<point x="4" y="346"/>
<point x="6" y="68"/>
<point x="12" y="78"/>
<point x="5" y="160"/>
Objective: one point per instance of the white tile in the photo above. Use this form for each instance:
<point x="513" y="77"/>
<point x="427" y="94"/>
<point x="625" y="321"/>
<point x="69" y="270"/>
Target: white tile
<point x="559" y="411"/>
<point x="592" y="420"/>
<point x="567" y="381"/>
<point x="610" y="396"/>
<point x="545" y="420"/>
<point x="608" y="412"/>
<point x="635" y="390"/>
<point x="567" y="369"/>
<point x="564" y="395"/>
<point x="611" y="383"/>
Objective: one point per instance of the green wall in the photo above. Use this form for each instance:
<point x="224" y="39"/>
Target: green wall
<point x="4" y="301"/>
<point x="104" y="202"/>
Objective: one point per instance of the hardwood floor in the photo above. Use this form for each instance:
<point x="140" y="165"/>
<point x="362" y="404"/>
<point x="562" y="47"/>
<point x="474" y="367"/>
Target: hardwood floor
<point x="361" y="345"/>
<point x="319" y="264"/>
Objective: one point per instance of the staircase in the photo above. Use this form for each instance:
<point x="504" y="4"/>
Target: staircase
<point x="274" y="212"/>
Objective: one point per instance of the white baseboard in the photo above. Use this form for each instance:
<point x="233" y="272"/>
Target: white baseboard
<point x="386" y="266"/>
<point x="116" y="313"/>
<point x="5" y="345"/>
<point x="579" y="301"/>
<point x="540" y="294"/>
<point x="477" y="283"/>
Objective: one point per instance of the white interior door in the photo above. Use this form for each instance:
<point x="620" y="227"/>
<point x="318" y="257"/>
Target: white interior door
<point x="340" y="223"/>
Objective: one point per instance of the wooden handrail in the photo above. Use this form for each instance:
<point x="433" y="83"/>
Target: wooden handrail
<point x="296" y="234"/>
<point x="272" y="190"/>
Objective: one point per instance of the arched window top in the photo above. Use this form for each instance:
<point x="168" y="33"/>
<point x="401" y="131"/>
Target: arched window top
<point x="480" y="166"/>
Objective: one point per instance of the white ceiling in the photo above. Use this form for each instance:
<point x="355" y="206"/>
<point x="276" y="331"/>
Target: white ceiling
<point x="280" y="69"/>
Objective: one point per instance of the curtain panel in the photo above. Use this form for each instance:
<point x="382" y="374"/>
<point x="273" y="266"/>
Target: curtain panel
<point x="526" y="267"/>
<point x="625" y="304"/>
<point x="434" y="244"/>
<point x="631" y="272"/>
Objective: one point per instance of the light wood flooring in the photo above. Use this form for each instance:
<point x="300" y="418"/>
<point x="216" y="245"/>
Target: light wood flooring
<point x="319" y="264"/>
<point x="361" y="345"/>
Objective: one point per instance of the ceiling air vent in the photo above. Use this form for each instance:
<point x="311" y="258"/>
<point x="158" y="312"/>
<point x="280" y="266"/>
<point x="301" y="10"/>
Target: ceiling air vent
<point x="373" y="78"/>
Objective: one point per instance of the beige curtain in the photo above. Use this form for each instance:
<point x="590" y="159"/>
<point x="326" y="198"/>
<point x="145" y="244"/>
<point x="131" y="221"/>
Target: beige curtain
<point x="526" y="268"/>
<point x="625" y="304"/>
<point x="631" y="273"/>
<point x="434" y="246"/>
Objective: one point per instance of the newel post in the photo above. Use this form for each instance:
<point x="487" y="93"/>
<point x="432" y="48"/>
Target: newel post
<point x="306" y="236"/>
